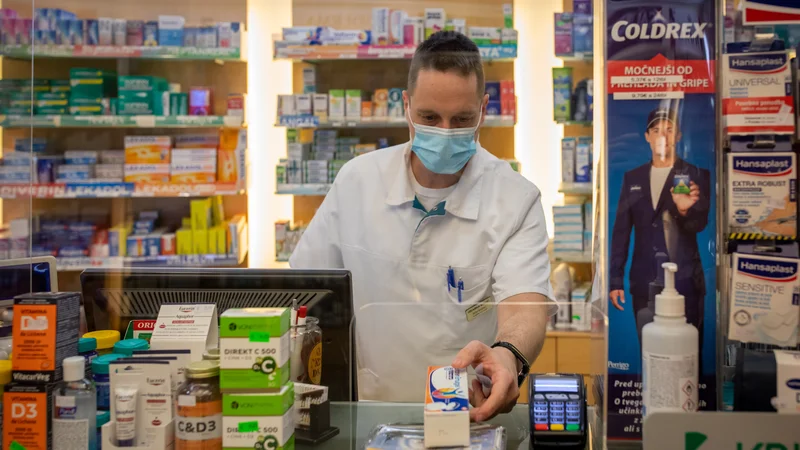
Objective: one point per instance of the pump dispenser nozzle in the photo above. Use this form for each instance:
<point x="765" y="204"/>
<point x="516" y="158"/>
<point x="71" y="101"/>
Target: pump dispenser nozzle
<point x="670" y="303"/>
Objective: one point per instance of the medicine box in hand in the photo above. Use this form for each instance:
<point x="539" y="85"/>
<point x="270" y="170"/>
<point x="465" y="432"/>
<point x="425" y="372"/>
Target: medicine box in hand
<point x="446" y="407"/>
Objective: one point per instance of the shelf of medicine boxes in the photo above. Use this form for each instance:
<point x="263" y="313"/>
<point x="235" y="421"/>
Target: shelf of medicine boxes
<point x="302" y="52"/>
<point x="577" y="57"/>
<point x="575" y="188"/>
<point x="68" y="121"/>
<point x="113" y="51"/>
<point x="308" y="121"/>
<point x="118" y="190"/>
<point x="302" y="189"/>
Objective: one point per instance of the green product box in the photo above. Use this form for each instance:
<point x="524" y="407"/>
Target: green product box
<point x="562" y="93"/>
<point x="10" y="84"/>
<point x="142" y="83"/>
<point x="178" y="104"/>
<point x="85" y="101"/>
<point x="143" y="103"/>
<point x="84" y="72"/>
<point x="260" y="403"/>
<point x="254" y="349"/>
<point x="59" y="86"/>
<point x="51" y="110"/>
<point x="34" y="85"/>
<point x="50" y="96"/>
<point x="113" y="104"/>
<point x="92" y="88"/>
<point x="96" y="110"/>
<point x="280" y="174"/>
<point x="17" y="111"/>
<point x="292" y="135"/>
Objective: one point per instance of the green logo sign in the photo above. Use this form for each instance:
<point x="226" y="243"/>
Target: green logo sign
<point x="694" y="440"/>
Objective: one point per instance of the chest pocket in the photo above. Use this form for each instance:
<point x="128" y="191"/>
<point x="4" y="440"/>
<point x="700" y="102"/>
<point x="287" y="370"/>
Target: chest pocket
<point x="473" y="316"/>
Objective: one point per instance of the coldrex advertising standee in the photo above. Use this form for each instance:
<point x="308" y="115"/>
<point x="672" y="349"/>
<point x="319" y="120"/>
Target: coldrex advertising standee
<point x="661" y="129"/>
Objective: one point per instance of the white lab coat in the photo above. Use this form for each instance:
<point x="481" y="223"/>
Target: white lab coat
<point x="490" y="230"/>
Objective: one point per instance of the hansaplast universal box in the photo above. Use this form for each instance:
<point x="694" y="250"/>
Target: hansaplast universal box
<point x="254" y="349"/>
<point x="46" y="327"/>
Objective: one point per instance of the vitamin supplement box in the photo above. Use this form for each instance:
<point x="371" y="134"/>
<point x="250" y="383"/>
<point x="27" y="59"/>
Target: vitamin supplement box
<point x="33" y="429"/>
<point x="254" y="420"/>
<point x="254" y="337"/>
<point x="50" y="334"/>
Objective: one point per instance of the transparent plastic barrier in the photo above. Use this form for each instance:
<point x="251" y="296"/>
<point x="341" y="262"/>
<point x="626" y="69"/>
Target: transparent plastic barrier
<point x="394" y="343"/>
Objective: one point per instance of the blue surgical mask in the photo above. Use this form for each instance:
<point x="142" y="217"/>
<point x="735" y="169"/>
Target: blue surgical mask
<point x="444" y="151"/>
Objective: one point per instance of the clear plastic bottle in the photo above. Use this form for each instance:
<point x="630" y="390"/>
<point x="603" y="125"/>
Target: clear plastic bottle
<point x="670" y="350"/>
<point x="74" y="409"/>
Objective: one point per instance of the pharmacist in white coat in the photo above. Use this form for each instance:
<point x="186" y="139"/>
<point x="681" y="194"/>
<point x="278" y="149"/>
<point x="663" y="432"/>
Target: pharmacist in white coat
<point x="445" y="242"/>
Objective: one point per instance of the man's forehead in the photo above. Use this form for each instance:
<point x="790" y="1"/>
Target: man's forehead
<point x="447" y="82"/>
<point x="662" y="123"/>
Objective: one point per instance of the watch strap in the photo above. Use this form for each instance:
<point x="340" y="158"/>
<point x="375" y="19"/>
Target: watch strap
<point x="526" y="367"/>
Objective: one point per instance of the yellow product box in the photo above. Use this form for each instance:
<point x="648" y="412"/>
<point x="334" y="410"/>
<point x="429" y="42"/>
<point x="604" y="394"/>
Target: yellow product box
<point x="201" y="214"/>
<point x="226" y="166"/>
<point x="147" y="173"/>
<point x="199" y="242"/>
<point x="232" y="139"/>
<point x="217" y="240"/>
<point x="217" y="210"/>
<point x="147" y="149"/>
<point x="183" y="238"/>
<point x="194" y="177"/>
<point x="186" y="222"/>
<point x="194" y="172"/>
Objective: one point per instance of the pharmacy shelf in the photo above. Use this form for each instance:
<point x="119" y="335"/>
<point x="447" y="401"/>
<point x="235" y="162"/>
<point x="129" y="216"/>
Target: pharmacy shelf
<point x="575" y="188"/>
<point x="25" y="121"/>
<point x="577" y="257"/>
<point x="579" y="57"/>
<point x="117" y="190"/>
<point x="301" y="52"/>
<point x="118" y="262"/>
<point x="580" y="123"/>
<point x="303" y="189"/>
<point x="307" y="121"/>
<point x="113" y="51"/>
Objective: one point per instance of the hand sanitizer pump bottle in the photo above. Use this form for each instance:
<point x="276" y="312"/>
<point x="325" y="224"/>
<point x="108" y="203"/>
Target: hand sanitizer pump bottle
<point x="670" y="346"/>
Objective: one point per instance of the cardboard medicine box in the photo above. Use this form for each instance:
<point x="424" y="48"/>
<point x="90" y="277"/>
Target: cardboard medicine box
<point x="27" y="412"/>
<point x="254" y="349"/>
<point x="251" y="419"/>
<point x="46" y="327"/>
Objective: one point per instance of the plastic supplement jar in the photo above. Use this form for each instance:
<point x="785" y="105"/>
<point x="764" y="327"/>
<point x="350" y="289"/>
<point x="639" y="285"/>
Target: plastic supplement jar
<point x="198" y="425"/>
<point x="128" y="346"/>
<point x="102" y="381"/>
<point x="105" y="340"/>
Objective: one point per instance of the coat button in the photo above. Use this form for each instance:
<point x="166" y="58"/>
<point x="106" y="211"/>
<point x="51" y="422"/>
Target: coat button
<point x="655" y="225"/>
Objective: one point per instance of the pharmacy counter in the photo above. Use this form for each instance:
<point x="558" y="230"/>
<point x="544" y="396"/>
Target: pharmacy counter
<point x="356" y="420"/>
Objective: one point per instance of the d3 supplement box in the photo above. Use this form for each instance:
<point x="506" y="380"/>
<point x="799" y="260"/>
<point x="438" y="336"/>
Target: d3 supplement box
<point x="27" y="412"/>
<point x="46" y="328"/>
<point x="254" y="349"/>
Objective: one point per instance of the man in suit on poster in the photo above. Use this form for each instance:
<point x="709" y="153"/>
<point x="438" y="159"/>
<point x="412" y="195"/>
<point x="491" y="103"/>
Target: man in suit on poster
<point x="665" y="203"/>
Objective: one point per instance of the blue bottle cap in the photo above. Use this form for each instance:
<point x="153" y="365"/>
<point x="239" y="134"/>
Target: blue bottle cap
<point x="87" y="345"/>
<point x="100" y="364"/>
<point x="128" y="346"/>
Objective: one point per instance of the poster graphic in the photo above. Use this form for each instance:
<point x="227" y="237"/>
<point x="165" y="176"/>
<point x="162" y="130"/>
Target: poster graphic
<point x="661" y="156"/>
<point x="771" y="12"/>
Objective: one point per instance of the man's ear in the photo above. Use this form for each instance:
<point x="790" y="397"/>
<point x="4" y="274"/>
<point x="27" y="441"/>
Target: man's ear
<point x="406" y="99"/>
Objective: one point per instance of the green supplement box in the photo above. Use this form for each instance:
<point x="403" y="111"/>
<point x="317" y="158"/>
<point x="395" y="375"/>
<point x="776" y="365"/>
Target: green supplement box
<point x="258" y="420"/>
<point x="562" y="94"/>
<point x="254" y="349"/>
<point x="143" y="103"/>
<point x="178" y="104"/>
<point x="142" y="83"/>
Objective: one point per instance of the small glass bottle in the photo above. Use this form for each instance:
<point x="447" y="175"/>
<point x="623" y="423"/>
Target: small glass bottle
<point x="306" y="360"/>
<point x="198" y="425"/>
<point x="74" y="409"/>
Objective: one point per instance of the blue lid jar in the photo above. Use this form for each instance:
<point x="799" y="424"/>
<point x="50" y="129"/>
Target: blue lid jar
<point x="128" y="346"/>
<point x="86" y="345"/>
<point x="100" y="364"/>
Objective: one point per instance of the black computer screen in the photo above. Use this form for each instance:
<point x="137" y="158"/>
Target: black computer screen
<point x="22" y="279"/>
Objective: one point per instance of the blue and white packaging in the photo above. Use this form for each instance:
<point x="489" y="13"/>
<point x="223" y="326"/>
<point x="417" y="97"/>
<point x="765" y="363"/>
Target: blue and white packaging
<point x="493" y="89"/>
<point x="80" y="157"/>
<point x="115" y="244"/>
<point x="105" y="31"/>
<point x="568" y="147"/>
<point x="22" y="159"/>
<point x="35" y="145"/>
<point x="446" y="416"/>
<point x="15" y="174"/>
<point x="346" y="37"/>
<point x="170" y="31"/>
<point x="190" y="36"/>
<point x="229" y="34"/>
<point x="63" y="32"/>
<point x="582" y="6"/>
<point x="151" y="33"/>
<point x="764" y="307"/>
<point x="76" y="32"/>
<point x="299" y="35"/>
<point x="493" y="108"/>
<point x="582" y="33"/>
<point x="762" y="191"/>
<point x="583" y="160"/>
<point x="46" y="168"/>
<point x="76" y="172"/>
<point x="92" y="31"/>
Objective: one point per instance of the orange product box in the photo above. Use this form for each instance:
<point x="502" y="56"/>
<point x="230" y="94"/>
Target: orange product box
<point x="226" y="166"/>
<point x="380" y="103"/>
<point x="46" y="327"/>
<point x="27" y="413"/>
<point x="366" y="109"/>
<point x="147" y="173"/>
<point x="147" y="149"/>
<point x="232" y="139"/>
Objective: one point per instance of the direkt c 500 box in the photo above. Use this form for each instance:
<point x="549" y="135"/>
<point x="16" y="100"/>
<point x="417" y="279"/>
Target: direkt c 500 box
<point x="254" y="349"/>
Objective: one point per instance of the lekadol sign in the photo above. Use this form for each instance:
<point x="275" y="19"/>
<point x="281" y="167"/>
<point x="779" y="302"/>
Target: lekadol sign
<point x="771" y="12"/>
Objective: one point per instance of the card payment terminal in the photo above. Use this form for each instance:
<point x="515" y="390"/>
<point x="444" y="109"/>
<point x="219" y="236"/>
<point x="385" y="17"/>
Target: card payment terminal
<point x="558" y="411"/>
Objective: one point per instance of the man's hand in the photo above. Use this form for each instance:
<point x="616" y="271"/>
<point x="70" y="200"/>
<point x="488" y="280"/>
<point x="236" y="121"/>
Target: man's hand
<point x="500" y="366"/>
<point x="617" y="299"/>
<point x="685" y="201"/>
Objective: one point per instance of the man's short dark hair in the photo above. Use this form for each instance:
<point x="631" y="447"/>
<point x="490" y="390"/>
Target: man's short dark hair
<point x="660" y="114"/>
<point x="447" y="51"/>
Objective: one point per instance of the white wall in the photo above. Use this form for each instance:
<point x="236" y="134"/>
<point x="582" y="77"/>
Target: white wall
<point x="267" y="144"/>
<point x="537" y="137"/>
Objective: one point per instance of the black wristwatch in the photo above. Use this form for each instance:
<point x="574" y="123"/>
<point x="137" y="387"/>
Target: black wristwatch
<point x="526" y="367"/>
